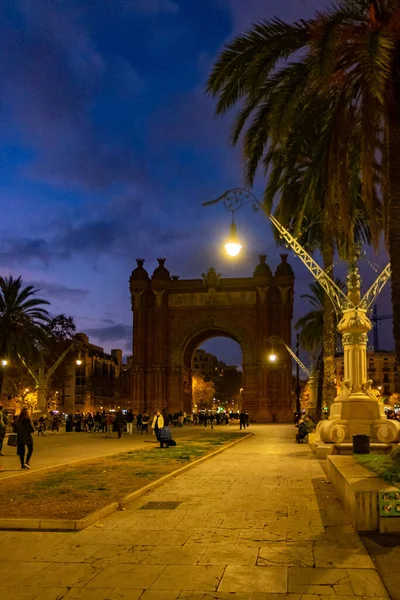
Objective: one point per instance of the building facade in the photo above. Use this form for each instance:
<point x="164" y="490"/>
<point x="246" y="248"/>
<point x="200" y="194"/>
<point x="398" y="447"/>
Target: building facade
<point x="94" y="384"/>
<point x="381" y="369"/>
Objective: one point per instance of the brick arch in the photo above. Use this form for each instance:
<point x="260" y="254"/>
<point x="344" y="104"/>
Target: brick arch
<point x="171" y="317"/>
<point x="200" y="331"/>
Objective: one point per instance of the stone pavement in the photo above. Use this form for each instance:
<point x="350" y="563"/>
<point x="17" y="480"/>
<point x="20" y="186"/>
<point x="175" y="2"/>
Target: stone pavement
<point x="257" y="522"/>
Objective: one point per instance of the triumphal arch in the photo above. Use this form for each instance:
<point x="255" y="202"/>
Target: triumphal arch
<point x="172" y="317"/>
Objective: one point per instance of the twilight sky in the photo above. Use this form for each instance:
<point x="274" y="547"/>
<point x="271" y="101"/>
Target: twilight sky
<point x="109" y="147"/>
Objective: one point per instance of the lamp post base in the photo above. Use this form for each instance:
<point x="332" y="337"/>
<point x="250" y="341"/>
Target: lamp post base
<point x="358" y="414"/>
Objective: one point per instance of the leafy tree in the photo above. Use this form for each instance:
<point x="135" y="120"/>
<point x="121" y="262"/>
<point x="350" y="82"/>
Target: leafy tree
<point x="22" y="321"/>
<point x="203" y="392"/>
<point x="61" y="328"/>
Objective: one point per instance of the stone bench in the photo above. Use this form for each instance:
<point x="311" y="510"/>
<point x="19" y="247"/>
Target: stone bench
<point x="358" y="488"/>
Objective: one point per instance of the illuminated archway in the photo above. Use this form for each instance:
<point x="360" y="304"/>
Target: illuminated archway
<point x="172" y="317"/>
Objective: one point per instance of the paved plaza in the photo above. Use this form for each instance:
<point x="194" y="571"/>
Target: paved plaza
<point x="256" y="522"/>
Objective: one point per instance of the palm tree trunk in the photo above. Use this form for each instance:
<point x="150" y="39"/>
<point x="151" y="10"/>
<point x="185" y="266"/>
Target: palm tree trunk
<point x="1" y="381"/>
<point x="393" y="221"/>
<point x="329" y="337"/>
<point x="320" y="368"/>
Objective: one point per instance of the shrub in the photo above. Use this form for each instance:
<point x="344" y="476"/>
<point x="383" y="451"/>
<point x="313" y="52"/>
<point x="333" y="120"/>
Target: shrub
<point x="395" y="455"/>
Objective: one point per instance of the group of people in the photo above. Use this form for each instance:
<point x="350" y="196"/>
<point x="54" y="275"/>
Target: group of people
<point x="393" y="415"/>
<point x="304" y="426"/>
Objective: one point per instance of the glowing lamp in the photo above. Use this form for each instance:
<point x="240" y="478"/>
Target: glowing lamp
<point x="78" y="362"/>
<point x="233" y="246"/>
<point x="272" y="357"/>
<point x="4" y="362"/>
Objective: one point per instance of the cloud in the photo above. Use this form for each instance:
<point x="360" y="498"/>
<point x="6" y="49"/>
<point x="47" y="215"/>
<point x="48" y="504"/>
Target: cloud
<point x="152" y="7"/>
<point x="59" y="291"/>
<point x="246" y="12"/>
<point x="52" y="77"/>
<point x="118" y="332"/>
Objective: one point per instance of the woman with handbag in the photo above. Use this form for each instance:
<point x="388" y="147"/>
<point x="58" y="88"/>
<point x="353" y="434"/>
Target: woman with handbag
<point x="24" y="428"/>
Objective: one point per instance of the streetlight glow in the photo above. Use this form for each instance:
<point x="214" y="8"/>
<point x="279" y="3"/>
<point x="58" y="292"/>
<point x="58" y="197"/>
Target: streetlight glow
<point x="4" y="362"/>
<point x="233" y="246"/>
<point x="272" y="357"/>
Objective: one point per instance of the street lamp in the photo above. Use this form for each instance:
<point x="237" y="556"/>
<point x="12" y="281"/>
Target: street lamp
<point x="4" y="362"/>
<point x="272" y="357"/>
<point x="233" y="245"/>
<point x="233" y="201"/>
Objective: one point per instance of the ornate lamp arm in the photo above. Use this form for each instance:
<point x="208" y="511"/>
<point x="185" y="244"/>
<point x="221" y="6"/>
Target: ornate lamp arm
<point x="27" y="367"/>
<point x="276" y="338"/>
<point x="376" y="288"/>
<point x="46" y="376"/>
<point x="337" y="296"/>
<point x="235" y="198"/>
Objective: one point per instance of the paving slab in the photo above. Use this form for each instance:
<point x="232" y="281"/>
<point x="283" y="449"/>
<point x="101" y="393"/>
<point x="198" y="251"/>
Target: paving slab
<point x="258" y="522"/>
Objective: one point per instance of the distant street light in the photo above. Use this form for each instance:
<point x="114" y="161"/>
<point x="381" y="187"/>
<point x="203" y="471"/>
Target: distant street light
<point x="4" y="362"/>
<point x="272" y="357"/>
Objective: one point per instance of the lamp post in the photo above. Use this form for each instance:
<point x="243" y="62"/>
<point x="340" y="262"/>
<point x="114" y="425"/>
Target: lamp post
<point x="297" y="375"/>
<point x="311" y="373"/>
<point x="356" y="409"/>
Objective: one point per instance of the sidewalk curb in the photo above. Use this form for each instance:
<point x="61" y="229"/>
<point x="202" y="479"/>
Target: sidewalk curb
<point x="79" y="524"/>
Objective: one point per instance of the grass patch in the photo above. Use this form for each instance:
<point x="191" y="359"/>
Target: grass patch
<point x="382" y="465"/>
<point x="73" y="492"/>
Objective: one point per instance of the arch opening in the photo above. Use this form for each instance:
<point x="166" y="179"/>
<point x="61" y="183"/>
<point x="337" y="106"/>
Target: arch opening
<point x="213" y="372"/>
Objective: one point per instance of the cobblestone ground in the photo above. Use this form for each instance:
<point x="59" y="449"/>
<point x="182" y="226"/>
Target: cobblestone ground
<point x="256" y="522"/>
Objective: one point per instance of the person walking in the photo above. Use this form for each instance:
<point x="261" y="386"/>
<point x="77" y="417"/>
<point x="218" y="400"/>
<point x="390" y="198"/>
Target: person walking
<point x="129" y="422"/>
<point x="3" y="427"/>
<point x="24" y="428"/>
<point x="145" y="423"/>
<point x="55" y="423"/>
<point x="120" y="423"/>
<point x="109" y="424"/>
<point x="158" y="423"/>
<point x="242" y="420"/>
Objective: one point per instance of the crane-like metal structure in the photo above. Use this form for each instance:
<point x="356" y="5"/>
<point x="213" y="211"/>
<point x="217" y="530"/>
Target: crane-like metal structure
<point x="356" y="409"/>
<point x="275" y="339"/>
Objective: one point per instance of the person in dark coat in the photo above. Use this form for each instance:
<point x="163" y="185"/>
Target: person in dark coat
<point x="24" y="428"/>
<point x="242" y="420"/>
<point x="302" y="433"/>
<point x="120" y="422"/>
<point x="165" y="437"/>
<point x="3" y="426"/>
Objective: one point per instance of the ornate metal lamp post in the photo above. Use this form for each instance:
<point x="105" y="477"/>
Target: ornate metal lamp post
<point x="356" y="410"/>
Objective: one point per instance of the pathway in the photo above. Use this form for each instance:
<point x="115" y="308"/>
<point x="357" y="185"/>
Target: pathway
<point x="257" y="522"/>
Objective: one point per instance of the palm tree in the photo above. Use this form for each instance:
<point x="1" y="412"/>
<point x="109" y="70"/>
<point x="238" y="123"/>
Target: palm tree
<point x="339" y="70"/>
<point x="22" y="320"/>
<point x="311" y="327"/>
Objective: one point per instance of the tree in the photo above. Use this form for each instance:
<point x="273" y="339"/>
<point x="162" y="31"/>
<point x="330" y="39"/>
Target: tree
<point x="61" y="328"/>
<point x="311" y="327"/>
<point x="203" y="392"/>
<point x="47" y="367"/>
<point x="342" y="67"/>
<point x="22" y="320"/>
